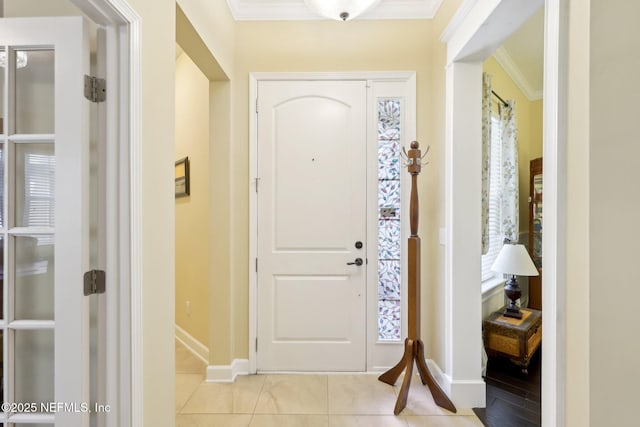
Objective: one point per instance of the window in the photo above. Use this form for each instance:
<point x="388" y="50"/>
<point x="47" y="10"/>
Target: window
<point x="39" y="190"/>
<point x="389" y="231"/>
<point x="495" y="196"/>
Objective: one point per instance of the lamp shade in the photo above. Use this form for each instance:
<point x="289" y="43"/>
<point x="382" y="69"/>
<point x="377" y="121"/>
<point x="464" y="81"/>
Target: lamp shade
<point x="514" y="259"/>
<point x="341" y="10"/>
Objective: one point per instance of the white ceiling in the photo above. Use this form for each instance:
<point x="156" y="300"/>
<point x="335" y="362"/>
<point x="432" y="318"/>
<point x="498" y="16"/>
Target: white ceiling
<point x="521" y="55"/>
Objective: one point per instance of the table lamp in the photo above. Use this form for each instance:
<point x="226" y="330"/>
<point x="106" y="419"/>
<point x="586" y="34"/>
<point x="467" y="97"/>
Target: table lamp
<point x="515" y="261"/>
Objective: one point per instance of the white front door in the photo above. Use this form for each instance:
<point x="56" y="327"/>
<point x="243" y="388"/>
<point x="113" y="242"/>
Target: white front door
<point x="311" y="216"/>
<point x="44" y="221"/>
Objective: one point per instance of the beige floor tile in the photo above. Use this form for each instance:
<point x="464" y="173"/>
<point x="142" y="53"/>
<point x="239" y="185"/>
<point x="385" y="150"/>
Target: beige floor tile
<point x="290" y="421"/>
<point x="186" y="384"/>
<point x="443" y="421"/>
<point x="186" y="362"/>
<point x="366" y="421"/>
<point x="420" y="401"/>
<point x="360" y="395"/>
<point x="293" y="394"/>
<point x="208" y="420"/>
<point x="239" y="397"/>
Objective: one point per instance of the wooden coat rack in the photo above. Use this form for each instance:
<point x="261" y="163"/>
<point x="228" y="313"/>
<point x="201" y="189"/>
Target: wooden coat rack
<point x="413" y="345"/>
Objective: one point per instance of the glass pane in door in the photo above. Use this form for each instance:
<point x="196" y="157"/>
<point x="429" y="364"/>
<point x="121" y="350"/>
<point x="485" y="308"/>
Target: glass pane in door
<point x="1" y="186"/>
<point x="34" y="91"/>
<point x="35" y="185"/>
<point x="3" y="65"/>
<point x="34" y="367"/>
<point x="28" y="425"/>
<point x="2" y="273"/>
<point x="34" y="277"/>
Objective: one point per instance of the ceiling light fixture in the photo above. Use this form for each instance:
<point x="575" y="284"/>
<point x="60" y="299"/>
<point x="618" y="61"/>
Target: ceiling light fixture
<point x="340" y="10"/>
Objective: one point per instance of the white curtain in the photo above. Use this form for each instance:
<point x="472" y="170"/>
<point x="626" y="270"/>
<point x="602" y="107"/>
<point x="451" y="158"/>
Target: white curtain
<point x="486" y="158"/>
<point x="510" y="200"/>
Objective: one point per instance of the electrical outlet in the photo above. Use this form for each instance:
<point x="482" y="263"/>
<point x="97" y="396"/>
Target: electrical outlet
<point x="188" y="308"/>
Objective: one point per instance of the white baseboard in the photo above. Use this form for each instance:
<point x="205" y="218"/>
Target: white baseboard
<point x="227" y="373"/>
<point x="193" y="345"/>
<point x="463" y="394"/>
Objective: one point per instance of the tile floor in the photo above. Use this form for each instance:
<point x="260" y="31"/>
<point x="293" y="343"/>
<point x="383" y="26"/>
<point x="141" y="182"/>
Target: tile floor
<point x="331" y="400"/>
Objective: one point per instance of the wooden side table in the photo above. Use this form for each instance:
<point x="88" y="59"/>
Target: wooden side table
<point x="517" y="339"/>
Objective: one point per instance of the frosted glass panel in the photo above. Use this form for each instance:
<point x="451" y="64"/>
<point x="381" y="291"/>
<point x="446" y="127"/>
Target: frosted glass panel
<point x="389" y="197"/>
<point x="34" y="277"/>
<point x="34" y="367"/>
<point x="3" y="61"/>
<point x="389" y="280"/>
<point x="35" y="185"/>
<point x="28" y="425"/>
<point x="389" y="214"/>
<point x="388" y="159"/>
<point x="35" y="92"/>
<point x="389" y="320"/>
<point x="389" y="119"/>
<point x="1" y="186"/>
<point x="1" y="287"/>
<point x="389" y="239"/>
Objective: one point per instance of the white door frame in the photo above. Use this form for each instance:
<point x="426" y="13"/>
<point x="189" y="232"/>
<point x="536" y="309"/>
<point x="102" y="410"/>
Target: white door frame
<point x="409" y="78"/>
<point x="473" y="34"/>
<point x="124" y="213"/>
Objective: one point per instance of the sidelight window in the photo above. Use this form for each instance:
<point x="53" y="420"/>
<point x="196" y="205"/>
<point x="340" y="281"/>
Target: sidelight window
<point x="389" y="230"/>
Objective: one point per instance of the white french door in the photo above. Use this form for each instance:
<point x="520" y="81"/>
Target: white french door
<point x="44" y="221"/>
<point x="312" y="226"/>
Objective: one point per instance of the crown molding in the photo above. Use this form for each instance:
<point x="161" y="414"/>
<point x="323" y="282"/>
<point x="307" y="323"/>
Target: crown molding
<point x="457" y="19"/>
<point x="294" y="10"/>
<point x="506" y="62"/>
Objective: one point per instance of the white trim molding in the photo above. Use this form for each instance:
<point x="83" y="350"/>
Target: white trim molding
<point x="466" y="392"/>
<point x="227" y="373"/>
<point x="555" y="196"/>
<point x="198" y="349"/>
<point x="474" y="34"/>
<point x="124" y="358"/>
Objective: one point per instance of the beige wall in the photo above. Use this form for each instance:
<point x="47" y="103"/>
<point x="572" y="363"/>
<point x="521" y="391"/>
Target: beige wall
<point x="577" y="379"/>
<point x="157" y="45"/>
<point x="614" y="207"/>
<point x="192" y="212"/>
<point x="434" y="296"/>
<point x="601" y="208"/>
<point x="334" y="46"/>
<point x="529" y="125"/>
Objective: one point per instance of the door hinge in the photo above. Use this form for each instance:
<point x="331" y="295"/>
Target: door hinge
<point x="256" y="105"/>
<point x="256" y="344"/>
<point x="95" y="89"/>
<point x="256" y="265"/>
<point x="94" y="282"/>
<point x="257" y="182"/>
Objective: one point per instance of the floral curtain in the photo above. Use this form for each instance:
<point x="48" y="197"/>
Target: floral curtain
<point x="486" y="158"/>
<point x="510" y="200"/>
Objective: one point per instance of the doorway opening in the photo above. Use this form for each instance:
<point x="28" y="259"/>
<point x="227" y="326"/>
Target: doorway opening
<point x="469" y="43"/>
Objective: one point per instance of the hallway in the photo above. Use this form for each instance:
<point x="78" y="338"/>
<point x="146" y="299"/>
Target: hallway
<point x="333" y="400"/>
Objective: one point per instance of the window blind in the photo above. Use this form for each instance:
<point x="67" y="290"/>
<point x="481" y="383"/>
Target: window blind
<point x="495" y="197"/>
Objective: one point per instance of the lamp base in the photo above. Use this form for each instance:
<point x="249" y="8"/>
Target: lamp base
<point x="512" y="312"/>
<point x="512" y="290"/>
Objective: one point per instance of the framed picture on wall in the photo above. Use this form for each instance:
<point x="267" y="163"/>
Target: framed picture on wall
<point x="182" y="177"/>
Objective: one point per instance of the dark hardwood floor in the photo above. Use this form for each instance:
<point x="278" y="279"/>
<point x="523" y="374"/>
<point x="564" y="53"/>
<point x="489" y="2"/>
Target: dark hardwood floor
<point x="513" y="398"/>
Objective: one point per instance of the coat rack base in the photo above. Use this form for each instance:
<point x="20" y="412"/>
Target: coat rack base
<point x="414" y="351"/>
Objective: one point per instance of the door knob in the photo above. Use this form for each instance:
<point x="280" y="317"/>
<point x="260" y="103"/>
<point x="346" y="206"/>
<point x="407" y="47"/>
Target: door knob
<point x="357" y="261"/>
